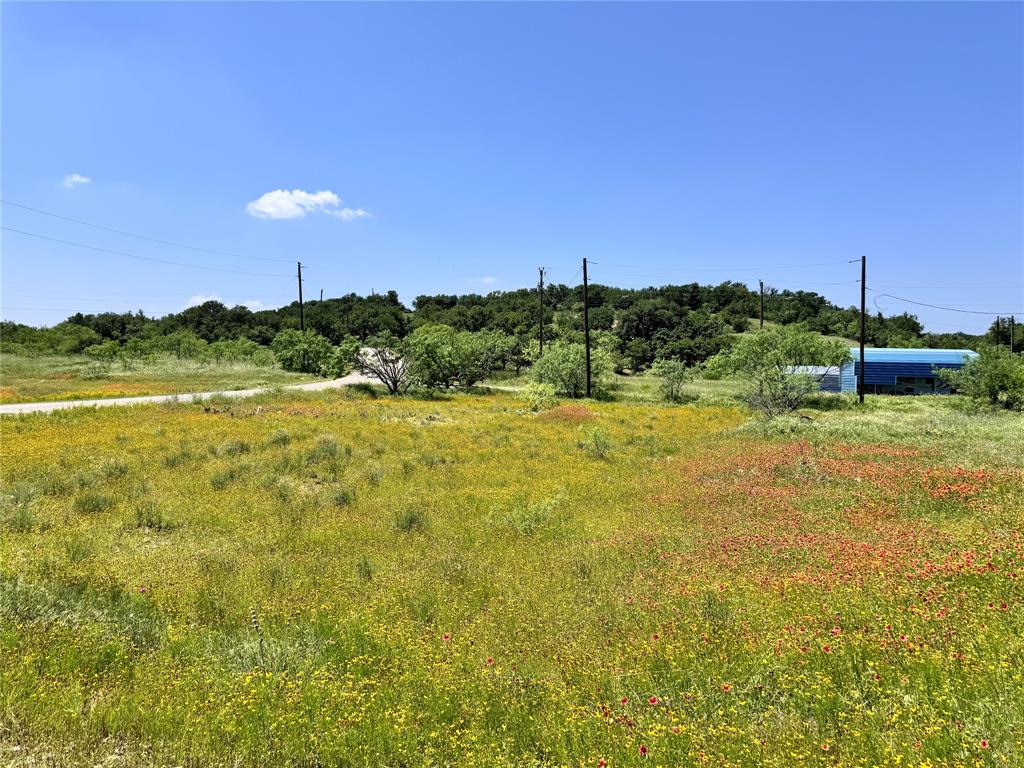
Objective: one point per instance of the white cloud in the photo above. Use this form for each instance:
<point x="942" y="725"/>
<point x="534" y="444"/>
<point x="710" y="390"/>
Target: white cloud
<point x="294" y="204"/>
<point x="255" y="305"/>
<point x="201" y="298"/>
<point x="73" y="179"/>
<point x="486" y="280"/>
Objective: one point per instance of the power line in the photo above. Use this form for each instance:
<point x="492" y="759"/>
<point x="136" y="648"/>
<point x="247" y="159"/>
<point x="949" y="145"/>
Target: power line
<point x="141" y="258"/>
<point x="140" y="237"/>
<point x="947" y="309"/>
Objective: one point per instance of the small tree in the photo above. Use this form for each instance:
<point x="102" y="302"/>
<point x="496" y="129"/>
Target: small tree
<point x="995" y="377"/>
<point x="343" y="360"/>
<point x="385" y="359"/>
<point x="563" y="365"/>
<point x="771" y="361"/>
<point x="674" y="374"/>
<point x="302" y="351"/>
<point x="431" y="350"/>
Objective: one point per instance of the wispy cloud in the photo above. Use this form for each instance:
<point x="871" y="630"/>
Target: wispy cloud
<point x="296" y="203"/>
<point x="201" y="298"/>
<point x="486" y="280"/>
<point x="74" y="179"/>
<point x="255" y="305"/>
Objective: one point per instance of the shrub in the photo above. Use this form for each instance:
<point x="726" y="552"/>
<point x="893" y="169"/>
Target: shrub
<point x="995" y="377"/>
<point x="364" y="569"/>
<point x="410" y="519"/>
<point x="563" y="366"/>
<point x="302" y="351"/>
<point x="279" y="437"/>
<point x="674" y="374"/>
<point x="538" y="396"/>
<point x="596" y="442"/>
<point x="149" y="515"/>
<point x="342" y="497"/>
<point x="325" y="449"/>
<point x="770" y="359"/>
<point x="531" y="518"/>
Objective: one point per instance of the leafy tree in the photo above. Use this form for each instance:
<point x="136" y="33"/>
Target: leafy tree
<point x="302" y="351"/>
<point x="770" y="361"/>
<point x="563" y="366"/>
<point x="384" y="357"/>
<point x="343" y="360"/>
<point x="995" y="377"/>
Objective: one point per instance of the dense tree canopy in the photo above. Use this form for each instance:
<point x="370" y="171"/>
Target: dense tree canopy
<point x="689" y="323"/>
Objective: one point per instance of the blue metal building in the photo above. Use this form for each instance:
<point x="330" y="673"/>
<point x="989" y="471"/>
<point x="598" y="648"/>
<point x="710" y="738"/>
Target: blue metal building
<point x="892" y="371"/>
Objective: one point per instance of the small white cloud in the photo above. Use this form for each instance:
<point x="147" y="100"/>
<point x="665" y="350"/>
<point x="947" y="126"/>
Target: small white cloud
<point x="294" y="204"/>
<point x="486" y="280"/>
<point x="201" y="298"/>
<point x="74" y="179"/>
<point x="255" y="305"/>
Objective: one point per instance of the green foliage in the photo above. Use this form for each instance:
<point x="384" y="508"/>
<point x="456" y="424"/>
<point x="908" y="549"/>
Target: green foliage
<point x="538" y="396"/>
<point x="441" y="357"/>
<point x="564" y="367"/>
<point x="596" y="442"/>
<point x="995" y="377"/>
<point x="343" y="359"/>
<point x="302" y="351"/>
<point x="410" y="519"/>
<point x="768" y="361"/>
<point x="673" y="374"/>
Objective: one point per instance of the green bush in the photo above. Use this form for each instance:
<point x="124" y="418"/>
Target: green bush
<point x="563" y="366"/>
<point x="539" y="397"/>
<point x="343" y="359"/>
<point x="673" y="374"/>
<point x="302" y="351"/>
<point x="995" y="377"/>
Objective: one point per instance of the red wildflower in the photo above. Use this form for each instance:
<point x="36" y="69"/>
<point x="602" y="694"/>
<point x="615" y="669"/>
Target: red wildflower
<point x="984" y="743"/>
<point x="652" y="700"/>
<point x="825" y="747"/>
<point x="827" y="648"/>
<point x="624" y="700"/>
<point x="726" y="687"/>
<point x="446" y="637"/>
<point x="602" y="763"/>
<point x="490" y="661"/>
<point x="643" y="750"/>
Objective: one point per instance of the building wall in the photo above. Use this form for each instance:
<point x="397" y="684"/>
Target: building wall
<point x="885" y="373"/>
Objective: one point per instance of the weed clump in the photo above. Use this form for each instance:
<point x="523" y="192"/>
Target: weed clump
<point x="149" y="515"/>
<point x="410" y="519"/>
<point x="597" y="443"/>
<point x="92" y="503"/>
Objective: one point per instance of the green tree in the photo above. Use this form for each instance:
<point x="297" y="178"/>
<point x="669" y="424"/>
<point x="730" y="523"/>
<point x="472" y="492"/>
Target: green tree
<point x="563" y="366"/>
<point x="995" y="377"/>
<point x="302" y="351"/>
<point x="771" y="361"/>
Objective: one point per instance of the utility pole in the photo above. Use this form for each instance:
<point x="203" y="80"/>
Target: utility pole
<point x="761" y="284"/>
<point x="302" y="317"/>
<point x="586" y="322"/>
<point x="1012" y="323"/>
<point x="321" y="295"/>
<point x="540" y="297"/>
<point x="863" y="311"/>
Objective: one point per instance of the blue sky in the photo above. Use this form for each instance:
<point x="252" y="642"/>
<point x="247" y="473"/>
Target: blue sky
<point x="457" y="147"/>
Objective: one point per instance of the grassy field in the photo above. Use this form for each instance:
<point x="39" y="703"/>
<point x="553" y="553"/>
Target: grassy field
<point x="76" y="377"/>
<point x="337" y="579"/>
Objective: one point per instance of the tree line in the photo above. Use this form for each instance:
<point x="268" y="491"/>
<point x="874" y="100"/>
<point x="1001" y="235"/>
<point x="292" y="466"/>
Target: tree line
<point x="635" y="327"/>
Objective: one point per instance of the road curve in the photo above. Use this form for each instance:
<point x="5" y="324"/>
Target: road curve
<point x="11" y="409"/>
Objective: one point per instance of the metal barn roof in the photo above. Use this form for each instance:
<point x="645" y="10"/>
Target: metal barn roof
<point x="900" y="355"/>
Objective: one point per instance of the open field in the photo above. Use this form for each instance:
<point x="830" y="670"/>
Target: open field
<point x="336" y="579"/>
<point x="76" y="377"/>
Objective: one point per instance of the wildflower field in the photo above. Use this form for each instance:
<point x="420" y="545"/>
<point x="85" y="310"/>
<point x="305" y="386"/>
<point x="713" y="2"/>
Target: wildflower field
<point x="340" y="579"/>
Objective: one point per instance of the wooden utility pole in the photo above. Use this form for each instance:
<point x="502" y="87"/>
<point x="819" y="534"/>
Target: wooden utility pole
<point x="321" y="295"/>
<point x="1012" y="323"/>
<point x="863" y="311"/>
<point x="761" y="284"/>
<point x="586" y="322"/>
<point x="540" y="299"/>
<point x="302" y="317"/>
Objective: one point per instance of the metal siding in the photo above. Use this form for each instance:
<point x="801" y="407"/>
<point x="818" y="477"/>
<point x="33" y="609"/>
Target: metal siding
<point x="848" y="378"/>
